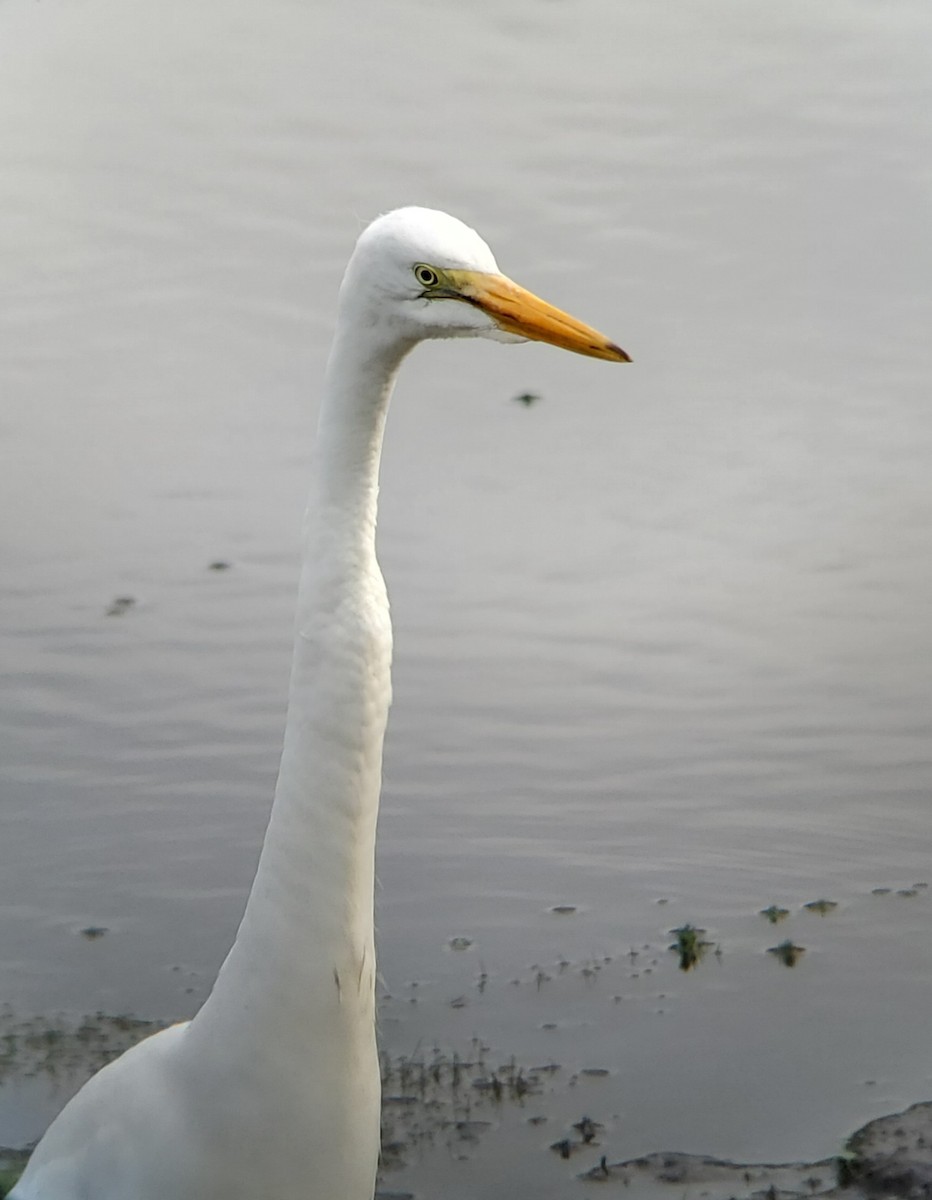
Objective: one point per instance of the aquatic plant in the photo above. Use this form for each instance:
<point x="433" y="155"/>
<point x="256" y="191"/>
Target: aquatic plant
<point x="787" y="952"/>
<point x="689" y="945"/>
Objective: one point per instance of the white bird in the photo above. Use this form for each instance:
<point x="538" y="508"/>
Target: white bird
<point x="273" y="1088"/>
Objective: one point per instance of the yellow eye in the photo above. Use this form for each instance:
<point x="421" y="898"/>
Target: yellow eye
<point x="426" y="276"/>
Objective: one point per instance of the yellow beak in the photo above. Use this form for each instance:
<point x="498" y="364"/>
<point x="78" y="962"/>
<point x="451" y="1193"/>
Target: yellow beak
<point x="518" y="311"/>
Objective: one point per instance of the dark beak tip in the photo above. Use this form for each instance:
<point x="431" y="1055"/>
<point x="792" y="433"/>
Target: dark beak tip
<point x="619" y="353"/>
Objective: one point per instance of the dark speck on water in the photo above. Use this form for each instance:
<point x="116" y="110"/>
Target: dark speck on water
<point x="119" y="605"/>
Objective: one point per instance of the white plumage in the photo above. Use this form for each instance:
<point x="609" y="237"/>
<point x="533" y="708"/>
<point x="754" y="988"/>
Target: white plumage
<point x="273" y="1088"/>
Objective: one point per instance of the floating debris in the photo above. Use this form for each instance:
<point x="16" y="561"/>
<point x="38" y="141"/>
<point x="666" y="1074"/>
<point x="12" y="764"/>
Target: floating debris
<point x="787" y="952"/>
<point x="563" y="910"/>
<point x="93" y="932"/>
<point x="775" y="913"/>
<point x="526" y="398"/>
<point x="822" y="907"/>
<point x="219" y="565"/>
<point x="587" y="1129"/>
<point x="459" y="943"/>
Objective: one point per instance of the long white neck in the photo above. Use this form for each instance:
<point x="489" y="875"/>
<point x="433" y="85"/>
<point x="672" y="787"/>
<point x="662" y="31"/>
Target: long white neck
<point x="304" y="954"/>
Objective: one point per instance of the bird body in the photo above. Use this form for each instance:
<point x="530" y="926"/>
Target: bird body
<point x="273" y="1087"/>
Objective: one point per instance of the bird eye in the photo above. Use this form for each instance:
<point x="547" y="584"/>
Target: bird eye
<point x="426" y="276"/>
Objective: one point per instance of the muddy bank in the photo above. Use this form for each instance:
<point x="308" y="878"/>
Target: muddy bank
<point x="889" y="1157"/>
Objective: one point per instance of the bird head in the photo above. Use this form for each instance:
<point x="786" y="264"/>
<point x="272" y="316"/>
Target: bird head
<point x="427" y="275"/>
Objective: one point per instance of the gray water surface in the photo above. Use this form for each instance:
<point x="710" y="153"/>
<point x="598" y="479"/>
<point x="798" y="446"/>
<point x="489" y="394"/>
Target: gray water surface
<point x="662" y="638"/>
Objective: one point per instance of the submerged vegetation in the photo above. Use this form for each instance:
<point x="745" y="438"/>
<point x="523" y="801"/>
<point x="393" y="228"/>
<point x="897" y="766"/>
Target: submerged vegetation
<point x="449" y="1098"/>
<point x="60" y="1048"/>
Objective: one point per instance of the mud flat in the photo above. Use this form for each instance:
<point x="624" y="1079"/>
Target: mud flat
<point x="889" y="1157"/>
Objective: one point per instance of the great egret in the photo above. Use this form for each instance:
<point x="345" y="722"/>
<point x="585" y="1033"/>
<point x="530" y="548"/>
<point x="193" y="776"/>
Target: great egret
<point x="273" y="1088"/>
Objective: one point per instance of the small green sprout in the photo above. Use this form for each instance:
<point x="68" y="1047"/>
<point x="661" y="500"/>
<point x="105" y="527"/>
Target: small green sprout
<point x="689" y="945"/>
